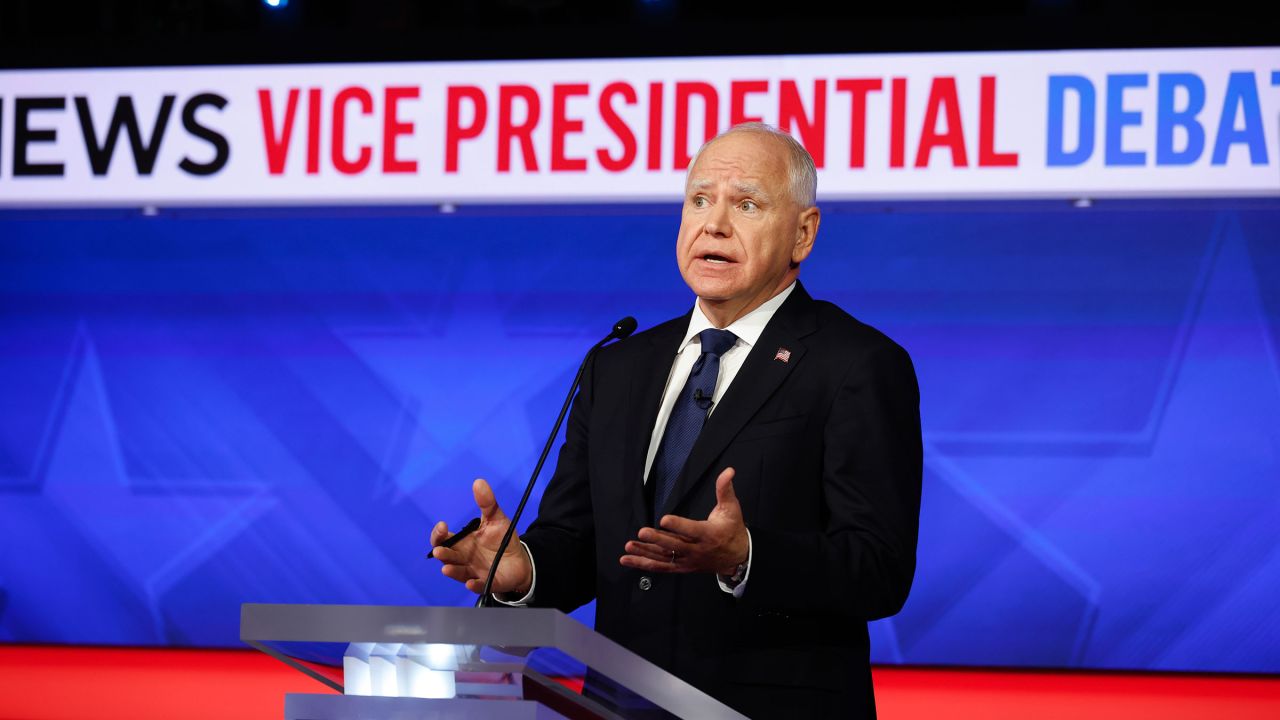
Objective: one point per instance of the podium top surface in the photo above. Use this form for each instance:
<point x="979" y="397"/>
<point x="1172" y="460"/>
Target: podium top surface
<point x="511" y="631"/>
<point x="528" y="627"/>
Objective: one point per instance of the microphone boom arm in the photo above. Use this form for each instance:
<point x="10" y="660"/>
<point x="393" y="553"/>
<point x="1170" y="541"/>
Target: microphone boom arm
<point x="621" y="329"/>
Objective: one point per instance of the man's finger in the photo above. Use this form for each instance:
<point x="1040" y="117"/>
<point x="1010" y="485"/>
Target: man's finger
<point x="724" y="488"/>
<point x="460" y="573"/>
<point x="667" y="540"/>
<point x="649" y="565"/>
<point x="449" y="556"/>
<point x="684" y="528"/>
<point x="649" y="550"/>
<point x="439" y="533"/>
<point x="483" y="495"/>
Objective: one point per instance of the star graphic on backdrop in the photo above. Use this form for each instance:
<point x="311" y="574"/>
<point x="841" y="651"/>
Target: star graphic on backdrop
<point x="1040" y="508"/>
<point x="456" y="397"/>
<point x="144" y="535"/>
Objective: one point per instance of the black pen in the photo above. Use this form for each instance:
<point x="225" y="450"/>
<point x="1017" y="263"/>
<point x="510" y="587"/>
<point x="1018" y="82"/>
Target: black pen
<point x="457" y="537"/>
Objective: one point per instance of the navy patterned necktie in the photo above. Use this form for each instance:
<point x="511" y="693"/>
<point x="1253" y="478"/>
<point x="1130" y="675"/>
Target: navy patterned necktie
<point x="688" y="415"/>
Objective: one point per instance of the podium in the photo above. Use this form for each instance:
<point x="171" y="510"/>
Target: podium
<point x="438" y="663"/>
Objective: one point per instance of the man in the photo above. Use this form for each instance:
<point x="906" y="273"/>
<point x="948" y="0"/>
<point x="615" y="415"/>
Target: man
<point x="782" y="460"/>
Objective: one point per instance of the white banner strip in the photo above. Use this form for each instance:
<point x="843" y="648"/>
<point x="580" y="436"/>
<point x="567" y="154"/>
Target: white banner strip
<point x="1136" y="123"/>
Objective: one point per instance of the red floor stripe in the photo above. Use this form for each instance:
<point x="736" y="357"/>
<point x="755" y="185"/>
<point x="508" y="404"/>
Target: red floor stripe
<point x="66" y="683"/>
<point x="1006" y="695"/>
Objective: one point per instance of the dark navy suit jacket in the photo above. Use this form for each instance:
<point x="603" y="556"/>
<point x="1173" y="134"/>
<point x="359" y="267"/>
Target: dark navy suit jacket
<point x="827" y="452"/>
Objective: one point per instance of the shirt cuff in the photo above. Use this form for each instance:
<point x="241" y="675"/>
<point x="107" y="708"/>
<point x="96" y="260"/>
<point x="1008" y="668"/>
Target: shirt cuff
<point x="736" y="590"/>
<point x="533" y="582"/>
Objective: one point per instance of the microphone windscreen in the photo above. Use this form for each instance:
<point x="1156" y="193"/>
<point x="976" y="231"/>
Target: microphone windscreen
<point x="624" y="327"/>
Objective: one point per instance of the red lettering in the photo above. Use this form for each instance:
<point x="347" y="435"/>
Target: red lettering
<point x="313" y="131"/>
<point x="858" y="89"/>
<point x="812" y="130"/>
<point x="454" y="132"/>
<point x="942" y="98"/>
<point x="508" y="130"/>
<point x="898" y="122"/>
<point x="655" y="126"/>
<point x="711" y="106"/>
<point x="392" y="129"/>
<point x="619" y="128"/>
<point x="340" y="161"/>
<point x="277" y="143"/>
<point x="562" y="125"/>
<point x="987" y="155"/>
<point x="738" y="92"/>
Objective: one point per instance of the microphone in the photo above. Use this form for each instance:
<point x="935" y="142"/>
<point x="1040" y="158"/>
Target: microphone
<point x="621" y="329"/>
<point x="703" y="401"/>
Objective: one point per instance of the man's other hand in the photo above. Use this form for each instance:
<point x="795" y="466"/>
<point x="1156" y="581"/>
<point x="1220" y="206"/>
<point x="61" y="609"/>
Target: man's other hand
<point x="715" y="545"/>
<point x="468" y="561"/>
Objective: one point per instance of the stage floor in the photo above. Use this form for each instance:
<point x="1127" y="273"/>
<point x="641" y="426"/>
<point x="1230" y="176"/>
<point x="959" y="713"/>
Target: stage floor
<point x="69" y="682"/>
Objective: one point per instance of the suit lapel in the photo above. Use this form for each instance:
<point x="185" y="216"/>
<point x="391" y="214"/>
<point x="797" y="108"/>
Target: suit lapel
<point x="760" y="376"/>
<point x="648" y="380"/>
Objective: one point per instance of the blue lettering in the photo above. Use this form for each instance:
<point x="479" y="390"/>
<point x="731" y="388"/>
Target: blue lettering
<point x="1118" y="119"/>
<point x="1242" y="94"/>
<point x="1168" y="118"/>
<point x="1056" y="153"/>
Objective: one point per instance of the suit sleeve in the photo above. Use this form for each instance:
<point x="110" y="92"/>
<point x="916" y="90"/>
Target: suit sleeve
<point x="562" y="538"/>
<point x="862" y="561"/>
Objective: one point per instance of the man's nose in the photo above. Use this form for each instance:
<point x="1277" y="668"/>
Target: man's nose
<point x="718" y="223"/>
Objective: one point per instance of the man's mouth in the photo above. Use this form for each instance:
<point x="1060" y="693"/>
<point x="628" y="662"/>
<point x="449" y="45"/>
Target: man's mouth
<point x="718" y="259"/>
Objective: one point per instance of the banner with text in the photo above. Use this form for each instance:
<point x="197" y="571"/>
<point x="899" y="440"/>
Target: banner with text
<point x="1134" y="123"/>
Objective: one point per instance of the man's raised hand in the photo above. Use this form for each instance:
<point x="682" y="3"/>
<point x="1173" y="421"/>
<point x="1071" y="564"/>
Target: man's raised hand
<point x="468" y="561"/>
<point x="715" y="545"/>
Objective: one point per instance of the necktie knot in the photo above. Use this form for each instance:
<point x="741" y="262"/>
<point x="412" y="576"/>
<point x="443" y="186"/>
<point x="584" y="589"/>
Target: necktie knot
<point x="716" y="342"/>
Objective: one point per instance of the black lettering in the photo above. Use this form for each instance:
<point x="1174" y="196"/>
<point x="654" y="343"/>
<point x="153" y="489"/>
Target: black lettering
<point x="221" y="150"/>
<point x="23" y="135"/>
<point x="144" y="155"/>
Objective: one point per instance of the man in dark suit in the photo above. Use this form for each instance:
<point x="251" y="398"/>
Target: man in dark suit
<point x="774" y="438"/>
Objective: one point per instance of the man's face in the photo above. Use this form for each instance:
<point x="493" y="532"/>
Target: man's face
<point x="740" y="229"/>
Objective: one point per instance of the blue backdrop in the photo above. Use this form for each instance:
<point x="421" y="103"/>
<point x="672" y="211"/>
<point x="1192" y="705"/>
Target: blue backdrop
<point x="216" y="406"/>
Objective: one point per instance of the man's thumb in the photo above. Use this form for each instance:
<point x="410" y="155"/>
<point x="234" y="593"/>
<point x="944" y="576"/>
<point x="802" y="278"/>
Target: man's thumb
<point x="484" y="499"/>
<point x="724" y="488"/>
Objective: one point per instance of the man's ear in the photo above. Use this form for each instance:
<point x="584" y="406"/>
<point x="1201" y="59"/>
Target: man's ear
<point x="810" y="218"/>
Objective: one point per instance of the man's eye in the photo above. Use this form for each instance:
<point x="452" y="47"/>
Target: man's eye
<point x="699" y="201"/>
<point x="749" y="205"/>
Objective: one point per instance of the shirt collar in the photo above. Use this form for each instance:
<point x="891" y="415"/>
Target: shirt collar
<point x="748" y="328"/>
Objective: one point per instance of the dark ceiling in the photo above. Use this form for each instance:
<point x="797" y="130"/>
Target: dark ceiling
<point x="48" y="33"/>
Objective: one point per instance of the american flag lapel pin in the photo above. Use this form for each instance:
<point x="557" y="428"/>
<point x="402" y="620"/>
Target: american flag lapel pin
<point x="783" y="355"/>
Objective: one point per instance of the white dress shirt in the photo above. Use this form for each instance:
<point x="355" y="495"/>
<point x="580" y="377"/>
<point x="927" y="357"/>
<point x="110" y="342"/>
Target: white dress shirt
<point x="748" y="329"/>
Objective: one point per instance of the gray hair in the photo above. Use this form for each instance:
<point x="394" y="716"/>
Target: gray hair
<point x="802" y="174"/>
